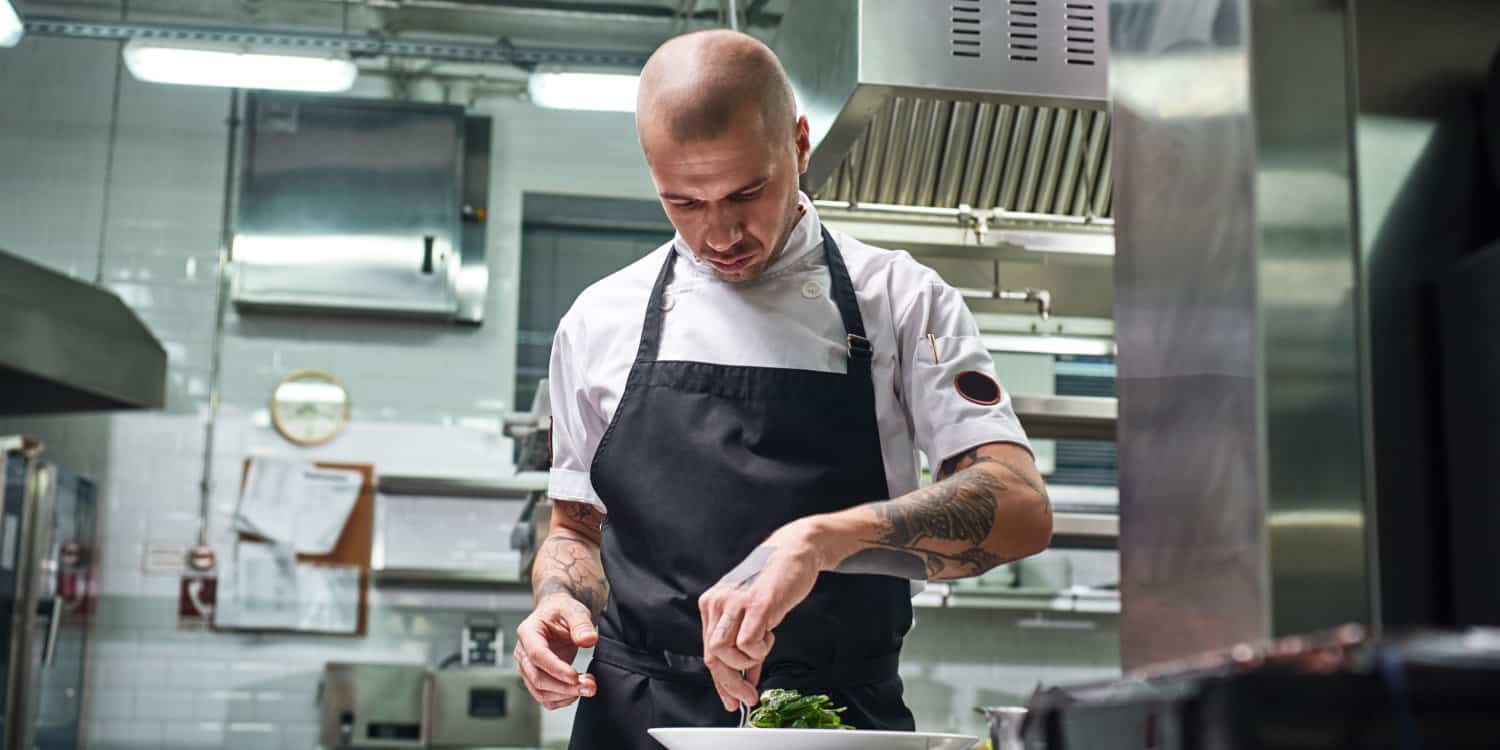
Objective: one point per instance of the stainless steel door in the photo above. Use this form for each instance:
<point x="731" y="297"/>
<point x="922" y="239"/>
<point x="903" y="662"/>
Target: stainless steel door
<point x="63" y="610"/>
<point x="13" y="495"/>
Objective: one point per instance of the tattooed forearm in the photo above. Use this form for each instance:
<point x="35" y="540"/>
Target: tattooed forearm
<point x="986" y="508"/>
<point x="570" y="566"/>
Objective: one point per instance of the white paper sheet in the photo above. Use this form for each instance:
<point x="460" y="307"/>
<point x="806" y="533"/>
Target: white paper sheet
<point x="329" y="598"/>
<point x="264" y="590"/>
<point x="297" y="504"/>
<point x="267" y="589"/>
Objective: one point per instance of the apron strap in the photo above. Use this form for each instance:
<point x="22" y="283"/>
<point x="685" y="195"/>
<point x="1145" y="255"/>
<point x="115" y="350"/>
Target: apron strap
<point x="842" y="291"/>
<point x="673" y="667"/>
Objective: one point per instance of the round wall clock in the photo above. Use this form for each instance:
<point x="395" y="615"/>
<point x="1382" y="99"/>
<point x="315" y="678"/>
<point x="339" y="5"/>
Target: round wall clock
<point x="309" y="407"/>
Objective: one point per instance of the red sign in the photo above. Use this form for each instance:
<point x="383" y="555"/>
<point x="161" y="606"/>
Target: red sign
<point x="195" y="601"/>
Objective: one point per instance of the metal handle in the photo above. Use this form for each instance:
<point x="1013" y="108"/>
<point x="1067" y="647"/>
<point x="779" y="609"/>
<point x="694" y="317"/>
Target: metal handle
<point x="49" y="647"/>
<point x="427" y="254"/>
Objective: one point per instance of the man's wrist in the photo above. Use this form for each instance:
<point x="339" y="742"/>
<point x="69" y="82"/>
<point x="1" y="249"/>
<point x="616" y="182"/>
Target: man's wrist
<point x="835" y="536"/>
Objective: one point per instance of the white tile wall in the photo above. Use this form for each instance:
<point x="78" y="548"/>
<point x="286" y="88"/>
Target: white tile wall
<point x="422" y="396"/>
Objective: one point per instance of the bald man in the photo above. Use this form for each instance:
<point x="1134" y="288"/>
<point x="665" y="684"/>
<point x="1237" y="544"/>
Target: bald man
<point x="736" y="421"/>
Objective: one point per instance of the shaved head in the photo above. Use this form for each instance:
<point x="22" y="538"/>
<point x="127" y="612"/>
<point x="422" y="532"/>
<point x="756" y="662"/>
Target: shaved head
<point x="720" y="131"/>
<point x="698" y="85"/>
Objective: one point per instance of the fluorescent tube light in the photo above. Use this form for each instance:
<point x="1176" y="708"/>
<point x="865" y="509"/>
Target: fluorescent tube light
<point x="597" y="91"/>
<point x="10" y="25"/>
<point x="237" y="66"/>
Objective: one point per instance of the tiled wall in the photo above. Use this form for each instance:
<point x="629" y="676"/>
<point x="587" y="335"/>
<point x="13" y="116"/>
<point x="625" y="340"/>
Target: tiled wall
<point x="426" y="399"/>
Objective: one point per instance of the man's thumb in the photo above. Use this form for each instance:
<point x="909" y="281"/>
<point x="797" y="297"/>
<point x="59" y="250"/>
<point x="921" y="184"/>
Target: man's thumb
<point x="580" y="625"/>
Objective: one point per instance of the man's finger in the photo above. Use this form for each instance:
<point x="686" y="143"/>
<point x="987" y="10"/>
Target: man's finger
<point x="753" y="640"/>
<point x="541" y="680"/>
<point x="733" y="688"/>
<point x="722" y="643"/>
<point x="539" y="652"/>
<point x="579" y="622"/>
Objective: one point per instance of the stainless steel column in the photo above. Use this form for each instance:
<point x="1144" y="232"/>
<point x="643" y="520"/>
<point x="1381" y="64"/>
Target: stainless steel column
<point x="1242" y="452"/>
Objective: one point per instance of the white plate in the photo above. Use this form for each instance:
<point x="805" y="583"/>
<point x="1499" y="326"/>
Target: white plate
<point x="686" y="738"/>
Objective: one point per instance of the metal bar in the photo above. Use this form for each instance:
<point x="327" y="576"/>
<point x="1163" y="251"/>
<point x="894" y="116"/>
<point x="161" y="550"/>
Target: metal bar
<point x="506" y="488"/>
<point x="1041" y="135"/>
<point x="1067" y="417"/>
<point x="221" y="301"/>
<point x="1071" y="163"/>
<point x="1097" y="134"/>
<point x="895" y="148"/>
<point x="1062" y="128"/>
<point x="980" y="138"/>
<point x="1099" y="205"/>
<point x="956" y="155"/>
<point x="953" y="213"/>
<point x="918" y="137"/>
<point x="932" y="156"/>
<point x="1015" y="159"/>
<point x="876" y="135"/>
<point x="354" y="44"/>
<point x="994" y="164"/>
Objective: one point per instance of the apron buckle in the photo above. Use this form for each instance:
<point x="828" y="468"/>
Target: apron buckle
<point x="859" y="347"/>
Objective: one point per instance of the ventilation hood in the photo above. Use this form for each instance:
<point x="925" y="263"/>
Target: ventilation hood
<point x="991" y="104"/>
<point x="71" y="346"/>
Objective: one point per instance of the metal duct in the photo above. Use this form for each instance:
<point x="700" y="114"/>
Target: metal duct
<point x="72" y="346"/>
<point x="992" y="104"/>
<point x="1035" y="159"/>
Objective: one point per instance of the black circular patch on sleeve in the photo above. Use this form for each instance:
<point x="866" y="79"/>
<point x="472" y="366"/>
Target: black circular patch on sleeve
<point x="978" y="387"/>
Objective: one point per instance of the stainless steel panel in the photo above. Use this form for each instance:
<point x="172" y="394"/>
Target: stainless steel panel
<point x="482" y="707"/>
<point x="72" y="346"/>
<point x="373" y="706"/>
<point x="848" y="59"/>
<point x="350" y="204"/>
<point x="1241" y="444"/>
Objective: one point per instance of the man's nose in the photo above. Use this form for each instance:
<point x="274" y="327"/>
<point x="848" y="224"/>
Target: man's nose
<point x="724" y="230"/>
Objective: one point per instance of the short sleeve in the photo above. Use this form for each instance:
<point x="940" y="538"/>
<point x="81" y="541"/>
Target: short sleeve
<point x="577" y="424"/>
<point x="949" y="384"/>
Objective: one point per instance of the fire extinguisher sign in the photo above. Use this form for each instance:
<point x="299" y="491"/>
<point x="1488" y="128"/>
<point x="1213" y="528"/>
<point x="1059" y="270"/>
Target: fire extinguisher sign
<point x="195" y="601"/>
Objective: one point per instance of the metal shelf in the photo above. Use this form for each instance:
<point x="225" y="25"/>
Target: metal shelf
<point x="1067" y="417"/>
<point x="512" y="487"/>
<point x="1085" y="530"/>
<point x="1089" y="601"/>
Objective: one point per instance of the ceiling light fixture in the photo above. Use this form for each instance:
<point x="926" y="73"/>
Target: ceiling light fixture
<point x="201" y="63"/>
<point x="10" y="25"/>
<point x="606" y="92"/>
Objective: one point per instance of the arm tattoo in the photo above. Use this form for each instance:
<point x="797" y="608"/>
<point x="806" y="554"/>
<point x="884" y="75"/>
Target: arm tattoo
<point x="583" y="514"/>
<point x="571" y="566"/>
<point x="963" y="461"/>
<point x="939" y="530"/>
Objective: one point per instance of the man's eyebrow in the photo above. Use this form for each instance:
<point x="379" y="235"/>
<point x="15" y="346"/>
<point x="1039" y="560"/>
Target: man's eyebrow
<point x="752" y="185"/>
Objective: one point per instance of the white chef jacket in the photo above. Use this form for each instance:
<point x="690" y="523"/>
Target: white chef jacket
<point x="786" y="319"/>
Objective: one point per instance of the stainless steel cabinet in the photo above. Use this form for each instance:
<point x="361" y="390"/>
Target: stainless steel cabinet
<point x="351" y="205"/>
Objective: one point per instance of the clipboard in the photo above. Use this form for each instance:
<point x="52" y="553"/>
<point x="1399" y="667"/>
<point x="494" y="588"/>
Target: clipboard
<point x="352" y="549"/>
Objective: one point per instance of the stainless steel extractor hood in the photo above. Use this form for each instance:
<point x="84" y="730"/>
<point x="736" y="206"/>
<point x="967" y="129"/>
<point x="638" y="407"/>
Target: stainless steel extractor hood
<point x="992" y="104"/>
<point x="70" y="346"/>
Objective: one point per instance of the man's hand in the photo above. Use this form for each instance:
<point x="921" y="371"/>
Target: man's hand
<point x="740" y="611"/>
<point x="568" y="579"/>
<point x="547" y="642"/>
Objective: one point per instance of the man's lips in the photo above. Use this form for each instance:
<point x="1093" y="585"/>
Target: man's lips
<point x="732" y="265"/>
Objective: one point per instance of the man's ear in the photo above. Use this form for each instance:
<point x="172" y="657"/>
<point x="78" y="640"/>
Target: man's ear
<point x="804" y="145"/>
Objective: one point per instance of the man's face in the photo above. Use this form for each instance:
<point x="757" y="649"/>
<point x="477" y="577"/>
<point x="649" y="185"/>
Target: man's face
<point x="732" y="198"/>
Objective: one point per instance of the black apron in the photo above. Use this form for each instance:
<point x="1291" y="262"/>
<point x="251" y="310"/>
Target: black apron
<point x="699" y="465"/>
